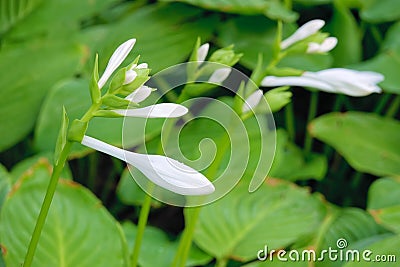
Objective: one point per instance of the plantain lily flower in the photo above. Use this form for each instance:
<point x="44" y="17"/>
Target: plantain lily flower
<point x="336" y="80"/>
<point x="219" y="75"/>
<point x="163" y="171"/>
<point x="116" y="59"/>
<point x="327" y="45"/>
<point x="252" y="101"/>
<point x="306" y="30"/>
<point x="202" y="53"/>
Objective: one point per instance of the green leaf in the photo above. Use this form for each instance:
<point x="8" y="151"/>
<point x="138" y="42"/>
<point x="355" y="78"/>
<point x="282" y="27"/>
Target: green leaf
<point x="158" y="250"/>
<point x="74" y="95"/>
<point x="75" y="230"/>
<point x="290" y="164"/>
<point x="241" y="223"/>
<point x="249" y="7"/>
<point x="5" y="184"/>
<point x="368" y="142"/>
<point x="251" y="41"/>
<point x="28" y="165"/>
<point x="344" y="27"/>
<point x="130" y="193"/>
<point x="12" y="11"/>
<point x="62" y="136"/>
<point x="27" y="72"/>
<point x="277" y="11"/>
<point x="377" y="11"/>
<point x="57" y="18"/>
<point x="387" y="247"/>
<point x="94" y="89"/>
<point x="384" y="202"/>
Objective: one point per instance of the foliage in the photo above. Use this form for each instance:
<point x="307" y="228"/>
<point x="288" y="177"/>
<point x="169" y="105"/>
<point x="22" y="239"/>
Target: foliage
<point x="344" y="184"/>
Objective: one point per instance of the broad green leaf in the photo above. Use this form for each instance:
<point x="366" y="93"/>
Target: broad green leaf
<point x="368" y="142"/>
<point x="57" y="18"/>
<point x="378" y="11"/>
<point x="75" y="96"/>
<point x="312" y="2"/>
<point x="384" y="202"/>
<point x="158" y="250"/>
<point x="277" y="263"/>
<point x="290" y="164"/>
<point x="353" y="226"/>
<point x="12" y="11"/>
<point x="250" y="7"/>
<point x="5" y="184"/>
<point x="387" y="251"/>
<point x="251" y="41"/>
<point x="26" y="166"/>
<point x="241" y="223"/>
<point x="77" y="232"/>
<point x="344" y="27"/>
<point x="129" y="192"/>
<point x="27" y="72"/>
<point x="165" y="34"/>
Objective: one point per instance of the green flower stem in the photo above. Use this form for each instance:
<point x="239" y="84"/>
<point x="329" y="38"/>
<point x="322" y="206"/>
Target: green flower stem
<point x="187" y="237"/>
<point x="144" y="215"/>
<point x="312" y="112"/>
<point x="393" y="108"/>
<point x="44" y="210"/>
<point x="337" y="106"/>
<point x="289" y="120"/>
<point x="382" y="103"/>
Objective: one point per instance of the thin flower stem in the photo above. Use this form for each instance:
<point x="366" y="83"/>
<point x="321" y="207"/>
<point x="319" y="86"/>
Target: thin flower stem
<point x="312" y="112"/>
<point x="382" y="103"/>
<point x="221" y="262"/>
<point x="337" y="106"/>
<point x="289" y="119"/>
<point x="44" y="210"/>
<point x="143" y="217"/>
<point x="393" y="108"/>
<point x="187" y="236"/>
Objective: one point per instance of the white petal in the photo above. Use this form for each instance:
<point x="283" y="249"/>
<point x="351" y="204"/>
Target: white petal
<point x="142" y="66"/>
<point x="303" y="32"/>
<point x="116" y="59"/>
<point x="163" y="171"/>
<point x="130" y="76"/>
<point x="252" y="101"/>
<point x="297" y="81"/>
<point x="171" y="174"/>
<point x="139" y="94"/>
<point x="202" y="52"/>
<point x="349" y="82"/>
<point x="328" y="44"/>
<point x="219" y="75"/>
<point x="103" y="147"/>
<point x="163" y="110"/>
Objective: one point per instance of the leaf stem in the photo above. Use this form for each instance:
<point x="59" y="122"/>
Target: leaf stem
<point x="312" y="112"/>
<point x="143" y="217"/>
<point x="382" y="103"/>
<point x="289" y="120"/>
<point x="187" y="237"/>
<point x="393" y="108"/>
<point x="44" y="210"/>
